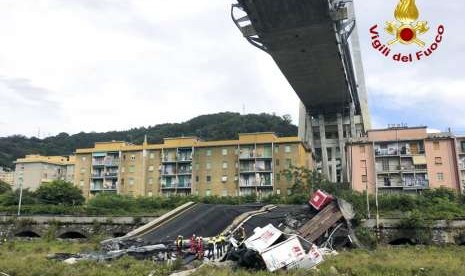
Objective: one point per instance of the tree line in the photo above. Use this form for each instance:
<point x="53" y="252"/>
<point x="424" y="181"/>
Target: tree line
<point x="218" y="126"/>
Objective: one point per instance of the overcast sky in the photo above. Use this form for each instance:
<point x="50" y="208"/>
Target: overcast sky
<point x="100" y="65"/>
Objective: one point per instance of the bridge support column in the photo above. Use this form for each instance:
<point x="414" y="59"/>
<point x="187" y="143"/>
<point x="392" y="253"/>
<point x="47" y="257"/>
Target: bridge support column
<point x="353" y="131"/>
<point x="342" y="142"/>
<point x="324" y="151"/>
<point x="333" y="165"/>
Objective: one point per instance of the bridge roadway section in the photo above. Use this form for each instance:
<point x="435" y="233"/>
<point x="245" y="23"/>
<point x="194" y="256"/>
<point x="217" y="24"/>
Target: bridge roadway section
<point x="209" y="220"/>
<point x="204" y="220"/>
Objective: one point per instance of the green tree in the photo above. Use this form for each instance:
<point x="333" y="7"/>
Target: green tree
<point x="59" y="192"/>
<point x="306" y="181"/>
<point x="11" y="198"/>
<point x="4" y="187"/>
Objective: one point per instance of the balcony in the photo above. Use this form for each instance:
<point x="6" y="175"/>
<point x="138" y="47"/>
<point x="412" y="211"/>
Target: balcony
<point x="184" y="158"/>
<point x="168" y="159"/>
<point x="415" y="183"/>
<point x="98" y="162"/>
<point x="102" y="187"/>
<point x="388" y="169"/>
<point x="386" y="152"/>
<point x="111" y="175"/>
<point x="247" y="169"/>
<point x="255" y="184"/>
<point x="97" y="175"/>
<point x="112" y="163"/>
<point x="180" y="171"/>
<point x="168" y="172"/>
<point x="175" y="185"/>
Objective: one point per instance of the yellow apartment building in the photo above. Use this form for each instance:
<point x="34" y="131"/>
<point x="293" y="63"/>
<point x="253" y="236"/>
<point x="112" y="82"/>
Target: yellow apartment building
<point x="251" y="164"/>
<point x="7" y="176"/>
<point x="33" y="170"/>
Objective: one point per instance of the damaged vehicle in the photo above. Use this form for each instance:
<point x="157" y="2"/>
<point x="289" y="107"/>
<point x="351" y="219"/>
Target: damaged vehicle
<point x="253" y="236"/>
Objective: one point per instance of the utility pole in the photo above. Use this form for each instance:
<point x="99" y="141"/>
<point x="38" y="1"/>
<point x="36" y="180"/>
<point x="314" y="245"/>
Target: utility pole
<point x="20" y="196"/>
<point x="366" y="190"/>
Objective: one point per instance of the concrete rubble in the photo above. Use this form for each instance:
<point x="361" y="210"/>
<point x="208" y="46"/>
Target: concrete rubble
<point x="271" y="237"/>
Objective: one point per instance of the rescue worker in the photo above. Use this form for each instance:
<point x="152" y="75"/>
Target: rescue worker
<point x="179" y="244"/>
<point x="193" y="244"/>
<point x="211" y="248"/>
<point x="218" y="246"/>
<point x="200" y="248"/>
<point x="241" y="234"/>
<point x="222" y="243"/>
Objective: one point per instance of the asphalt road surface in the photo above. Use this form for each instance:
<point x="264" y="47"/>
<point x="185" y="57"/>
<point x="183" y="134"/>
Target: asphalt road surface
<point x="204" y="220"/>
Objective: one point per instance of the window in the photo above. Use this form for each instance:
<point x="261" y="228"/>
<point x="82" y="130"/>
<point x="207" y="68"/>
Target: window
<point x="122" y="169"/>
<point x="131" y="181"/>
<point x="196" y="178"/>
<point x="438" y="160"/>
<point x="208" y="192"/>
<point x="436" y="145"/>
<point x="289" y="191"/>
<point x="197" y="166"/>
<point x="224" y="178"/>
<point x="236" y="165"/>
<point x="289" y="162"/>
<point x="150" y="180"/>
<point x="287" y="149"/>
<point x="209" y="178"/>
<point x="462" y="145"/>
<point x="276" y="148"/>
<point x="150" y="168"/>
<point x="150" y="194"/>
<point x="133" y="157"/>
<point x="131" y="169"/>
<point x="209" y="152"/>
<point x="225" y="192"/>
<point x="208" y="165"/>
<point x="364" y="178"/>
<point x="440" y="176"/>
<point x="81" y="183"/>
<point x="224" y="151"/>
<point x="278" y="177"/>
<point x="225" y="165"/>
<point x="363" y="163"/>
<point x="152" y="155"/>
<point x="83" y="159"/>
<point x="362" y="148"/>
<point x="278" y="191"/>
<point x="277" y="162"/>
<point x="83" y="171"/>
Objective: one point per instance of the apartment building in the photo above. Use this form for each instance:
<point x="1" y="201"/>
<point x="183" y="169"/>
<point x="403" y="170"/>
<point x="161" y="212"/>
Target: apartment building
<point x="460" y="149"/>
<point x="7" y="176"/>
<point x="33" y="170"/>
<point x="251" y="164"/>
<point x="403" y="159"/>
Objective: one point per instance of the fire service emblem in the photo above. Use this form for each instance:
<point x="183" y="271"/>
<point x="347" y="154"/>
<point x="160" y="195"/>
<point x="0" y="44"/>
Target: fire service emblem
<point x="406" y="29"/>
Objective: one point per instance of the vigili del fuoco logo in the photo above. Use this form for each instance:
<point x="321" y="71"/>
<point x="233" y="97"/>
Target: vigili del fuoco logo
<point x="406" y="30"/>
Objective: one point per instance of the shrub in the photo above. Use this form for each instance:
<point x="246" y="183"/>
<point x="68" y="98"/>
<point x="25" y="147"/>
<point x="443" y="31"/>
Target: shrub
<point x="59" y="192"/>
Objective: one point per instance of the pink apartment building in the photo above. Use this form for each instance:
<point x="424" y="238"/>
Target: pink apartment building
<point x="403" y="159"/>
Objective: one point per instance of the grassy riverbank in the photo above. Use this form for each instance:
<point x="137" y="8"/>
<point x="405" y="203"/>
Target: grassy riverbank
<point x="23" y="258"/>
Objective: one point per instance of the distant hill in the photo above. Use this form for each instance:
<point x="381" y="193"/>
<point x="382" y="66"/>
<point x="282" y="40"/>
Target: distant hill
<point x="208" y="127"/>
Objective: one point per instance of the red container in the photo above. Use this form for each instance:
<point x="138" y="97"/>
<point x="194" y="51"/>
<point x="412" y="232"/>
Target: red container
<point x="320" y="199"/>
